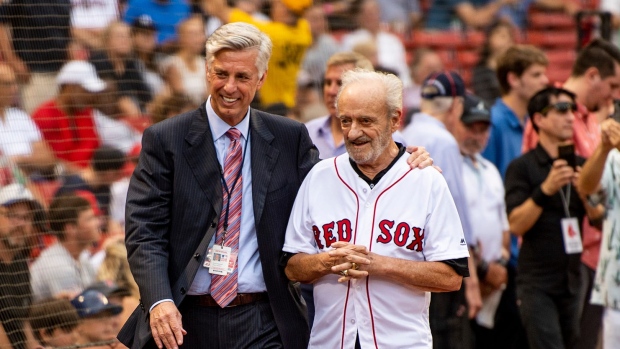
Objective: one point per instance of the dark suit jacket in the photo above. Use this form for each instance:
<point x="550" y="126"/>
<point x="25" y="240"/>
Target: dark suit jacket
<point x="175" y="197"/>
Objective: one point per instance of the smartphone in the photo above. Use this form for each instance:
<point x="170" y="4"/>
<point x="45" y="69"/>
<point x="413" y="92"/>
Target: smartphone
<point x="616" y="114"/>
<point x="567" y="152"/>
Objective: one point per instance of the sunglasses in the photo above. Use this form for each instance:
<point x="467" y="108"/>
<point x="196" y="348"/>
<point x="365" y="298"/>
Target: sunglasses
<point x="561" y="107"/>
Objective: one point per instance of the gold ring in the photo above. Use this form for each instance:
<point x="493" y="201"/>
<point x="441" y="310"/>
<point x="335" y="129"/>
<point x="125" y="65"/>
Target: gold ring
<point x="345" y="273"/>
<point x="354" y="266"/>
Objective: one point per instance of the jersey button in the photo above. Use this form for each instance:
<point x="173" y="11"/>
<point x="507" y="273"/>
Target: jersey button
<point x="352" y="321"/>
<point x="368" y="204"/>
<point x="365" y="190"/>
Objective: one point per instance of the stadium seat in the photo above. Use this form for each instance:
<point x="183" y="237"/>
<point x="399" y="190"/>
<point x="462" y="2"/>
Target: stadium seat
<point x="436" y="39"/>
<point x="561" y="58"/>
<point x="551" y="20"/>
<point x="552" y="39"/>
<point x="556" y="74"/>
<point x="467" y="59"/>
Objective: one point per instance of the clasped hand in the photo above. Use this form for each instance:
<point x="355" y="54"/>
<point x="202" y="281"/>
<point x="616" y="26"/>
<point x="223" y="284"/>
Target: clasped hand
<point x="349" y="261"/>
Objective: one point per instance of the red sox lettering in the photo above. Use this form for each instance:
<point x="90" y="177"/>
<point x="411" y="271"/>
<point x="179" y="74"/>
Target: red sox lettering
<point x="343" y="229"/>
<point x="400" y="234"/>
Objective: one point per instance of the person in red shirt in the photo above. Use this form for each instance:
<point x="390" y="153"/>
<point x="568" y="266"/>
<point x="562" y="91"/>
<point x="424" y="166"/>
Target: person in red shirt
<point x="66" y="122"/>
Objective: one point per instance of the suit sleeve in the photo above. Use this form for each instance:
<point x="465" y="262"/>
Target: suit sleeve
<point x="148" y="221"/>
<point x="308" y="154"/>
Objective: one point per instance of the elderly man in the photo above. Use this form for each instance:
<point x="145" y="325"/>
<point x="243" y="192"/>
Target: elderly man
<point x="359" y="247"/>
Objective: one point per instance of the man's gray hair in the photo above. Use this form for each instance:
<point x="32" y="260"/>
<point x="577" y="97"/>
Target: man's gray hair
<point x="240" y="36"/>
<point x="392" y="86"/>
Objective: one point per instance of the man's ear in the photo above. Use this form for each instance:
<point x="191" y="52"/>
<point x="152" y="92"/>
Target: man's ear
<point x="512" y="79"/>
<point x="261" y="81"/>
<point x="395" y="120"/>
<point x="536" y="119"/>
<point x="592" y="74"/>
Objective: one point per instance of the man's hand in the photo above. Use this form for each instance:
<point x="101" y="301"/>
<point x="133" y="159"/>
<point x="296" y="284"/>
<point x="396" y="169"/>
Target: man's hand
<point x="348" y="259"/>
<point x="472" y="296"/>
<point x="610" y="134"/>
<point x="497" y="276"/>
<point x="560" y="175"/>
<point x="420" y="158"/>
<point x="166" y="326"/>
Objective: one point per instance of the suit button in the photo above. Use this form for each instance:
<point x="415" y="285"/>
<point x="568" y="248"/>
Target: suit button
<point x="182" y="290"/>
<point x="197" y="255"/>
<point x="213" y="225"/>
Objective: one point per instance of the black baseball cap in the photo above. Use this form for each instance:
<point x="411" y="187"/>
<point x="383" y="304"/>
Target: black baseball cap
<point x="475" y="110"/>
<point x="144" y="22"/>
<point x="444" y="84"/>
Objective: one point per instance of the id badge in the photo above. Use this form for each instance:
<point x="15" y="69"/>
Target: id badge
<point x="572" y="237"/>
<point x="220" y="257"/>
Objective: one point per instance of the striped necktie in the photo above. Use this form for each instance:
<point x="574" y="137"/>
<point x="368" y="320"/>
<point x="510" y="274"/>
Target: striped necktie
<point x="224" y="287"/>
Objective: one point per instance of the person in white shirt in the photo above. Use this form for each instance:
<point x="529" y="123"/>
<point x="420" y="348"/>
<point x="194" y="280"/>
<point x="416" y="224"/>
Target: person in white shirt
<point x="20" y="138"/>
<point x="374" y="236"/>
<point x="484" y="194"/>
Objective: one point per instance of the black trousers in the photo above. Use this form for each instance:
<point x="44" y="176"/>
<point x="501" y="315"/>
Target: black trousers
<point x="551" y="321"/>
<point x="591" y="314"/>
<point x="448" y="317"/>
<point x="250" y="326"/>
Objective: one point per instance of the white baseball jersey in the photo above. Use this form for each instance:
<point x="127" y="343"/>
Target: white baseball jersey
<point x="409" y="214"/>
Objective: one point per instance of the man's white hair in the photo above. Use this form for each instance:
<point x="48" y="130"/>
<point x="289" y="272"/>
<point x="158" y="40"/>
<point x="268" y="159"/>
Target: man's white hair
<point x="391" y="84"/>
<point x="240" y="36"/>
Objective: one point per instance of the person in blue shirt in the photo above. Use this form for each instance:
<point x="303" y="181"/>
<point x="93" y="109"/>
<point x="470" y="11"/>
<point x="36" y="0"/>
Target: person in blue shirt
<point x="166" y="15"/>
<point x="521" y="73"/>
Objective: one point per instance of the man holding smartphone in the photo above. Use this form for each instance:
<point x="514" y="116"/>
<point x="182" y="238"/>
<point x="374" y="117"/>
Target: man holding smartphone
<point x="545" y="208"/>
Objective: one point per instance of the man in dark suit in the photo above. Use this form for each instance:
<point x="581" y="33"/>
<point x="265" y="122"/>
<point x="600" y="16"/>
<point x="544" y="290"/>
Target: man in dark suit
<point x="176" y="196"/>
<point x="187" y="203"/>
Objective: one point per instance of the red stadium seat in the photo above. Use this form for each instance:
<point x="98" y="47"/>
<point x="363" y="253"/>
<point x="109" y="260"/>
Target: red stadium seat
<point x="551" y="20"/>
<point x="437" y="39"/>
<point x="559" y="75"/>
<point x="561" y="58"/>
<point x="552" y="39"/>
<point x="467" y="59"/>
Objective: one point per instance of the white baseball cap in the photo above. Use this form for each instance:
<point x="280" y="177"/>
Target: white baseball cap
<point x="14" y="193"/>
<point x="80" y="73"/>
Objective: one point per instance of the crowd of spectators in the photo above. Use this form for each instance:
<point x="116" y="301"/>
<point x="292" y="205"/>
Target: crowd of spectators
<point x="80" y="80"/>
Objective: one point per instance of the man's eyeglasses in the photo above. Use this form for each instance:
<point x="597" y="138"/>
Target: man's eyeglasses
<point x="561" y="107"/>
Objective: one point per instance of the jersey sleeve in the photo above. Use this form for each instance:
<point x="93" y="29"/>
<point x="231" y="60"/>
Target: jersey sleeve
<point x="443" y="233"/>
<point x="299" y="236"/>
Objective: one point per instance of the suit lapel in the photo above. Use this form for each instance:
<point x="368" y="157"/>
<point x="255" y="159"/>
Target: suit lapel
<point x="264" y="157"/>
<point x="202" y="159"/>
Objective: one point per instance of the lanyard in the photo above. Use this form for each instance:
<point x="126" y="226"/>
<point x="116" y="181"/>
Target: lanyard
<point x="566" y="200"/>
<point x="232" y="188"/>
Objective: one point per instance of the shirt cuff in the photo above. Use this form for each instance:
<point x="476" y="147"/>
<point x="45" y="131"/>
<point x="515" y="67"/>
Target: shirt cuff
<point x="161" y="301"/>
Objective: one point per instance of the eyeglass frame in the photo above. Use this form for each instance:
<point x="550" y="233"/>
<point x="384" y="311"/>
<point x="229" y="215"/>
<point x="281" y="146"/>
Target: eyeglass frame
<point x="561" y="107"/>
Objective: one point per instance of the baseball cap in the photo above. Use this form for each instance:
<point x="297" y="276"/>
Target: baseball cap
<point x="14" y="193"/>
<point x="80" y="73"/>
<point x="109" y="289"/>
<point x="474" y="110"/>
<point x="91" y="302"/>
<point x="297" y="6"/>
<point x="143" y="22"/>
<point x="444" y="84"/>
